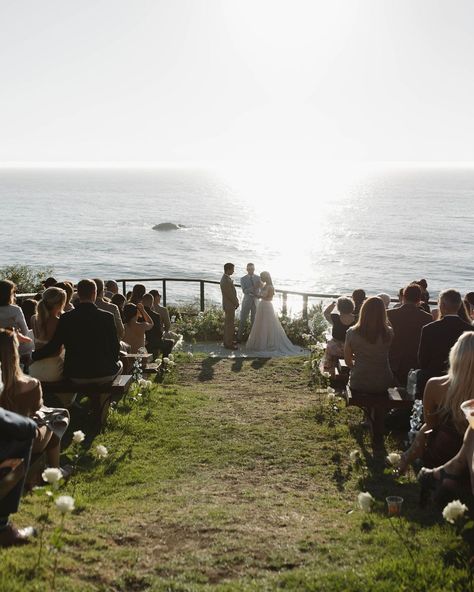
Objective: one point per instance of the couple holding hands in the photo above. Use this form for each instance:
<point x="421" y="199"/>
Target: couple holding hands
<point x="267" y="337"/>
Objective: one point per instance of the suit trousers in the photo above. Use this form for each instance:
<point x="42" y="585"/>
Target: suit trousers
<point x="15" y="449"/>
<point x="248" y="306"/>
<point x="229" y="326"/>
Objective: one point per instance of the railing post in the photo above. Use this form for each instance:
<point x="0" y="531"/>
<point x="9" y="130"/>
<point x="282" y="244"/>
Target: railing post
<point x="163" y="295"/>
<point x="305" y="306"/>
<point x="202" y="295"/>
<point x="124" y="288"/>
<point x="284" y="306"/>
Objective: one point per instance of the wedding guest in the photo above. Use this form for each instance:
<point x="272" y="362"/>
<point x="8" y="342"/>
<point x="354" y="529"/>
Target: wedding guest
<point x="111" y="288"/>
<point x="358" y="297"/>
<point x="49" y="282"/>
<point x="29" y="307"/>
<point x="340" y="323"/>
<point x="425" y="296"/>
<point x="400" y="298"/>
<point x="90" y="340"/>
<point x="102" y="304"/>
<point x="366" y="349"/>
<point x="22" y="394"/>
<point x="137" y="322"/>
<point x="444" y="418"/>
<point x="69" y="289"/>
<point x="120" y="301"/>
<point x="463" y="313"/>
<point x="45" y="323"/>
<point x="138" y="292"/>
<point x="469" y="304"/>
<point x="230" y="303"/>
<point x="385" y="299"/>
<point x="161" y="310"/>
<point x="438" y="337"/>
<point x="17" y="434"/>
<point x="154" y="337"/>
<point x="12" y="317"/>
<point x="407" y="323"/>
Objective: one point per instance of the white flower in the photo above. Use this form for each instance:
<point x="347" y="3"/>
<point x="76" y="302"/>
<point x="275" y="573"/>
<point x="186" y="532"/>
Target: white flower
<point x="158" y="362"/>
<point x="65" y="504"/>
<point x="171" y="357"/>
<point x="78" y="437"/>
<point x="306" y="363"/>
<point x="365" y="501"/>
<point x="394" y="459"/>
<point x="139" y="395"/>
<point x="453" y="511"/>
<point x="354" y="455"/>
<point x="52" y="475"/>
<point x="171" y="363"/>
<point x="330" y="390"/>
<point x="190" y="355"/>
<point x="331" y="396"/>
<point x="166" y="361"/>
<point x="101" y="451"/>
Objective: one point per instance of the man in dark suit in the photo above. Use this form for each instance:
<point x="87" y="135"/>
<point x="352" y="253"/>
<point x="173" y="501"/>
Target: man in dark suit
<point x="90" y="340"/>
<point x="16" y="440"/>
<point x="407" y="322"/>
<point x="438" y="338"/>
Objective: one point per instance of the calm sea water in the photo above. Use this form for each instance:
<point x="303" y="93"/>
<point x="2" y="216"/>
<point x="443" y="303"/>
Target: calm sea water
<point x="315" y="228"/>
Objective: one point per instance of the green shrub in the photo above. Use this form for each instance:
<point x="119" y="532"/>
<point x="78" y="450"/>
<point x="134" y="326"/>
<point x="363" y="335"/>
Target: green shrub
<point x="26" y="278"/>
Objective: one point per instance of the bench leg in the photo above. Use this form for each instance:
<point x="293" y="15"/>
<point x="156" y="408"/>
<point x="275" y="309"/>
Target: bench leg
<point x="377" y="417"/>
<point x="100" y="404"/>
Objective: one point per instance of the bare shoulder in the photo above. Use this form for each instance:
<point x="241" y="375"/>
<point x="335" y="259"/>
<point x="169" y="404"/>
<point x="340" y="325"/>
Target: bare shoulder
<point x="436" y="387"/>
<point x="27" y="384"/>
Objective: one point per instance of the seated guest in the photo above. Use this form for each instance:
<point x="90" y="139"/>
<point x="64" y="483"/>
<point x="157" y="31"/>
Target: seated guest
<point x="69" y="289"/>
<point x="137" y="323"/>
<point x="90" y="340"/>
<point x="340" y="323"/>
<point x="17" y="434"/>
<point x="358" y="296"/>
<point x="407" y="323"/>
<point x="366" y="349"/>
<point x="464" y="314"/>
<point x="111" y="288"/>
<point x="49" y="282"/>
<point x="400" y="298"/>
<point x="12" y="317"/>
<point x="22" y="394"/>
<point x="425" y="296"/>
<point x="469" y="304"/>
<point x="444" y="419"/>
<point x="109" y="307"/>
<point x="29" y="307"/>
<point x="438" y="337"/>
<point x="154" y="337"/>
<point x="161" y="310"/>
<point x="120" y="301"/>
<point x="138" y="291"/>
<point x="45" y="323"/>
<point x="385" y="299"/>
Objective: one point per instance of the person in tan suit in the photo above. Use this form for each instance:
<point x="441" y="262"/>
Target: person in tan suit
<point x="230" y="303"/>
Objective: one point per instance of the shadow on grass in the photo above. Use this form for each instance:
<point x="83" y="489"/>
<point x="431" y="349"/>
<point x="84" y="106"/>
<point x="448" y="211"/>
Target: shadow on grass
<point x="207" y="369"/>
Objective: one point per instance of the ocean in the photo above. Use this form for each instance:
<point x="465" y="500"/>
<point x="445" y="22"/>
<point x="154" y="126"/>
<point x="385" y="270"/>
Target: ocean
<point x="315" y="227"/>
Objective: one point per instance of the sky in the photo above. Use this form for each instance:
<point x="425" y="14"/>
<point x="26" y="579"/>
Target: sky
<point x="233" y="80"/>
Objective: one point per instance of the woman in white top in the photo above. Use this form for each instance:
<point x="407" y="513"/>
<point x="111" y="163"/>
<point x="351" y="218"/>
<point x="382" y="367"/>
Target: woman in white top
<point x="12" y="317"/>
<point x="44" y="324"/>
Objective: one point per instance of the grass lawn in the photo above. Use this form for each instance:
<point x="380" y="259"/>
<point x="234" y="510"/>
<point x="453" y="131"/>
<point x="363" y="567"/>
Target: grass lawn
<point x="235" y="475"/>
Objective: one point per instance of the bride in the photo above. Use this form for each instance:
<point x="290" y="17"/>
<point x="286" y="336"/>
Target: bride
<point x="267" y="335"/>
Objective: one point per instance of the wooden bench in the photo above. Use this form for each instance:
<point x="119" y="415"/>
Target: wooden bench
<point x="128" y="360"/>
<point x="376" y="407"/>
<point x="101" y="395"/>
<point x="12" y="470"/>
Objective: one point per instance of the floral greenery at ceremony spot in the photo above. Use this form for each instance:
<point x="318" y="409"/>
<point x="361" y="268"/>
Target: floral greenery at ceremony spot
<point x="232" y="475"/>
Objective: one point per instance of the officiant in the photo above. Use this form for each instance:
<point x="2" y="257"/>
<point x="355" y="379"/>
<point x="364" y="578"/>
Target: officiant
<point x="250" y="285"/>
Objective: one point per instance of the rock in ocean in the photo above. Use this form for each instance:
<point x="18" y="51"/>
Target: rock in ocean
<point x="168" y="226"/>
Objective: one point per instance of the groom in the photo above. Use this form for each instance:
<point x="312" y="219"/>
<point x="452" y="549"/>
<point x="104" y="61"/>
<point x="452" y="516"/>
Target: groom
<point x="230" y="303"/>
<point x="250" y="285"/>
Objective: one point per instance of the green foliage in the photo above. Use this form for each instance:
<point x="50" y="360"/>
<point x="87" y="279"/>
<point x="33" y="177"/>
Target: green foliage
<point x="26" y="278"/>
<point x="201" y="326"/>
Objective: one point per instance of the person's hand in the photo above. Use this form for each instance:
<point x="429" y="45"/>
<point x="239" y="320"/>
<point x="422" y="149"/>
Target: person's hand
<point x="23" y="338"/>
<point x="140" y="307"/>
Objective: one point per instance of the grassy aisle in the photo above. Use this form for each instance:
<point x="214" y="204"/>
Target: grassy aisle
<point x="235" y="477"/>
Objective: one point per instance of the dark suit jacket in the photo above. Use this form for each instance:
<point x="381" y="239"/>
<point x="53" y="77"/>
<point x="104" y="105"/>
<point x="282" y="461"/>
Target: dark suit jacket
<point x="229" y="293"/>
<point x="407" y="322"/>
<point x="90" y="338"/>
<point x="15" y="427"/>
<point x="437" y="339"/>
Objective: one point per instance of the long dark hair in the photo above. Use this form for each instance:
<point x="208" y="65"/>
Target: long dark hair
<point x="372" y="324"/>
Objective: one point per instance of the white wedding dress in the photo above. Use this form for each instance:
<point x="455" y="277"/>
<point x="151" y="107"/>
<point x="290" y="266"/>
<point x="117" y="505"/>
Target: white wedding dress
<point x="267" y="337"/>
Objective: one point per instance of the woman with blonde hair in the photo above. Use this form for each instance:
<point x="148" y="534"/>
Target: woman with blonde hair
<point x="441" y="436"/>
<point x="22" y="394"/>
<point x="44" y="324"/>
<point x="366" y="349"/>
